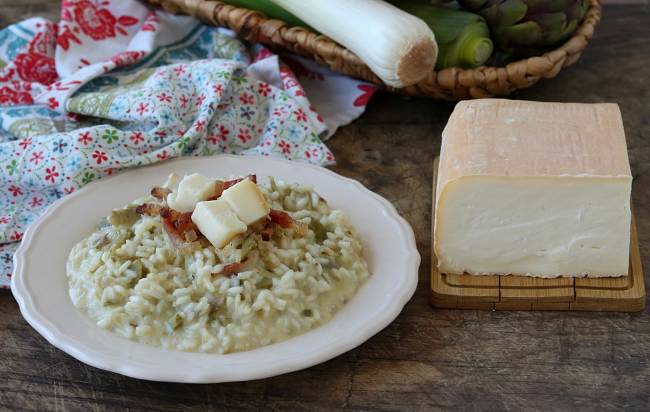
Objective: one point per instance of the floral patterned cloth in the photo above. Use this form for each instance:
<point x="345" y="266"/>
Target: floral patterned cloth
<point x="116" y="85"/>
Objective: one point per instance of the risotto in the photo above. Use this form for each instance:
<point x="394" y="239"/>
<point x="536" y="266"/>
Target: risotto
<point x="283" y="276"/>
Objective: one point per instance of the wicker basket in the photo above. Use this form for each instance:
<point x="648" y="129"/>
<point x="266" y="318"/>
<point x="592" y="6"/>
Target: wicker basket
<point x="448" y="84"/>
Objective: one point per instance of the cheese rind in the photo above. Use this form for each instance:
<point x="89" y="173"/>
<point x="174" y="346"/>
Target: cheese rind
<point x="191" y="189"/>
<point x="247" y="200"/>
<point x="217" y="222"/>
<point x="539" y="189"/>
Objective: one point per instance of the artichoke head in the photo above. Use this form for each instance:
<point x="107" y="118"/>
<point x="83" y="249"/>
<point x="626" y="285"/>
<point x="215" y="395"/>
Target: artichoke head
<point x="528" y="27"/>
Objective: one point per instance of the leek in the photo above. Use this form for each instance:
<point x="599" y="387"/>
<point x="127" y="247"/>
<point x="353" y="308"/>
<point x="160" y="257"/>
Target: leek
<point x="175" y="321"/>
<point x="269" y="9"/>
<point x="247" y="245"/>
<point x="463" y="37"/>
<point x="398" y="47"/>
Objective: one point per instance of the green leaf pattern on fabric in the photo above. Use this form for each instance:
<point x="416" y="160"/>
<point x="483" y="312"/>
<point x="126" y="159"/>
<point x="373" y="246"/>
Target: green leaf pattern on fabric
<point x="163" y="87"/>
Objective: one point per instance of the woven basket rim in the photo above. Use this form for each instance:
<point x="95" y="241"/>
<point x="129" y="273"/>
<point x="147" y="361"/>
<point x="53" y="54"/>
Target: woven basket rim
<point x="452" y="83"/>
<point x="586" y="26"/>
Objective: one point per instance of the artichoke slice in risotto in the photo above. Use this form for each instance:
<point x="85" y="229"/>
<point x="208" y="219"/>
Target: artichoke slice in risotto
<point x="217" y="265"/>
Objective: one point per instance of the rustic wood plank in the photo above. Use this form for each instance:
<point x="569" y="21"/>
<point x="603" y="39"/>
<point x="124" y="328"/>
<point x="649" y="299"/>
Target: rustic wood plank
<point x="551" y="306"/>
<point x="514" y="305"/>
<point x="12" y="11"/>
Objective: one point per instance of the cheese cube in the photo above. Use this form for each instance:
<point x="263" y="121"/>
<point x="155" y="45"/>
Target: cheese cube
<point x="217" y="222"/>
<point x="247" y="200"/>
<point x="538" y="189"/>
<point x="172" y="182"/>
<point x="191" y="190"/>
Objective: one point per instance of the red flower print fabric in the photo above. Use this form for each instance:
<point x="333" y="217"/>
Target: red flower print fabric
<point x="115" y="85"/>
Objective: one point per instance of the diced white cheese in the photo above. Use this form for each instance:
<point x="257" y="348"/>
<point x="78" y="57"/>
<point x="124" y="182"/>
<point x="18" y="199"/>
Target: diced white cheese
<point x="217" y="222"/>
<point x="191" y="190"/>
<point x="539" y="189"/>
<point x="247" y="200"/>
<point x="172" y="182"/>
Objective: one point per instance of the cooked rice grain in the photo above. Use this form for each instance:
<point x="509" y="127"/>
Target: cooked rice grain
<point x="142" y="288"/>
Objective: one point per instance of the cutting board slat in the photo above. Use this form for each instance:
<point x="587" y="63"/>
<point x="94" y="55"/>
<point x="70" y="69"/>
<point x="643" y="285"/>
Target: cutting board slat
<point x="623" y="294"/>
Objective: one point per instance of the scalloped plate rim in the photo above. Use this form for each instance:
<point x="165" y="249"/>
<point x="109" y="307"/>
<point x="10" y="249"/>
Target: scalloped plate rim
<point x="110" y="362"/>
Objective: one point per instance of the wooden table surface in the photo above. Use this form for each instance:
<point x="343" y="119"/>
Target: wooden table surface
<point x="426" y="359"/>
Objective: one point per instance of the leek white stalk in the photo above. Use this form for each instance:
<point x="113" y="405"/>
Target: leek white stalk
<point x="398" y="47"/>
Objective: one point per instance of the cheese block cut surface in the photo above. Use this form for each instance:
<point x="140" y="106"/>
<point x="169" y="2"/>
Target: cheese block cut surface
<point x="217" y="222"/>
<point x="537" y="189"/>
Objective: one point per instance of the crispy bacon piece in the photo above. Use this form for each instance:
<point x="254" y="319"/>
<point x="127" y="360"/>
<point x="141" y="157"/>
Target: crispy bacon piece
<point x="148" y="209"/>
<point x="285" y="221"/>
<point x="184" y="221"/>
<point x="281" y="218"/>
<point x="191" y="236"/>
<point x="166" y="216"/>
<point x="160" y="193"/>
<point x="218" y="190"/>
<point x="230" y="269"/>
<point x="179" y="225"/>
<point x="269" y="230"/>
<point x="246" y="264"/>
<point x="229" y="183"/>
<point x="220" y="186"/>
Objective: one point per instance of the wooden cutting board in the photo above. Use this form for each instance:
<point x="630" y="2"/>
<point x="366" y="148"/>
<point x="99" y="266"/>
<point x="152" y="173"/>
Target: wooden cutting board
<point x="623" y="294"/>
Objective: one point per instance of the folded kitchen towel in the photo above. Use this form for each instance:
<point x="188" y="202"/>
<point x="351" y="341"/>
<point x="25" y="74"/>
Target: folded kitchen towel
<point x="117" y="85"/>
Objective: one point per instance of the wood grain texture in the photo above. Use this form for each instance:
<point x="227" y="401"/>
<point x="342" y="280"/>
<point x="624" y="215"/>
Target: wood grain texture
<point x="427" y="359"/>
<point x="454" y="291"/>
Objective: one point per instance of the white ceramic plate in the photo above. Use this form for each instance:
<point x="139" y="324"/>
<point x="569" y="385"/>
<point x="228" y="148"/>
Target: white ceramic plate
<point x="40" y="286"/>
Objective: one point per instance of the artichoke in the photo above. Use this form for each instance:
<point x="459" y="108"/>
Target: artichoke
<point x="527" y="27"/>
<point x="463" y="38"/>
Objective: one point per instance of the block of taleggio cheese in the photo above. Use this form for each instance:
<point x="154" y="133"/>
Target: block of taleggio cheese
<point x="536" y="189"/>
